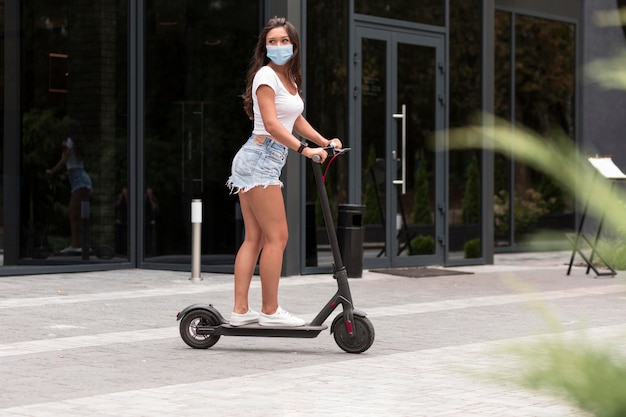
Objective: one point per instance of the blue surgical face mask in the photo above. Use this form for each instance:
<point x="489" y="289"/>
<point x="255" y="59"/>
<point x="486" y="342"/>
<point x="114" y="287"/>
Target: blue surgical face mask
<point x="280" y="54"/>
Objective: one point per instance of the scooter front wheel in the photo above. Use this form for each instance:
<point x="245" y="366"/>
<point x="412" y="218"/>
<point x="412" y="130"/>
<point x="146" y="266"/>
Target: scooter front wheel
<point x="189" y="326"/>
<point x="363" y="337"/>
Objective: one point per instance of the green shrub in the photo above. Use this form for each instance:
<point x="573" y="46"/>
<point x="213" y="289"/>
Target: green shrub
<point x="470" y="206"/>
<point x="472" y="248"/>
<point x="423" y="245"/>
<point x="529" y="207"/>
<point x="619" y="259"/>
<point x="613" y="251"/>
<point x="421" y="201"/>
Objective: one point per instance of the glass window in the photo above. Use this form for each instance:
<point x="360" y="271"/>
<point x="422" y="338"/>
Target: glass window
<point x="537" y="91"/>
<point x="464" y="180"/>
<point x="325" y="100"/>
<point x="502" y="108"/>
<point x="197" y="55"/>
<point x="2" y="142"/>
<point x="430" y="12"/>
<point x="373" y="144"/>
<point x="544" y="102"/>
<point x="74" y="129"/>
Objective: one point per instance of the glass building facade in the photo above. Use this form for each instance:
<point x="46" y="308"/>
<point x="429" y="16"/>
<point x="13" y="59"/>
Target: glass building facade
<point x="154" y="87"/>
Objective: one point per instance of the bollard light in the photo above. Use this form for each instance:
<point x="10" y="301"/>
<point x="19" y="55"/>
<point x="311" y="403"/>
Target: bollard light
<point x="196" y="230"/>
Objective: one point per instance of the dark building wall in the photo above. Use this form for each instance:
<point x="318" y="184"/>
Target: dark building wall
<point x="602" y="110"/>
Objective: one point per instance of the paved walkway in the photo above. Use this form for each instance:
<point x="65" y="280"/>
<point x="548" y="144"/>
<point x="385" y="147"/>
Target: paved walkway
<point x="107" y="344"/>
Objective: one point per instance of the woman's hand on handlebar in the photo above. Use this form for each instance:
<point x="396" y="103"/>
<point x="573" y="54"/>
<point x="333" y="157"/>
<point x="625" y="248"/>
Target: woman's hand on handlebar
<point x="335" y="143"/>
<point x="319" y="155"/>
<point x="316" y="154"/>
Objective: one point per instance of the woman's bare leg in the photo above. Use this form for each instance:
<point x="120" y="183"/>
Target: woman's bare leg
<point x="247" y="255"/>
<point x="75" y="219"/>
<point x="267" y="206"/>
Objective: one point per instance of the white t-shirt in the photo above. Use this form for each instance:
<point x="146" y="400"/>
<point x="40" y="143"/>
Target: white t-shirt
<point x="288" y="106"/>
<point x="72" y="162"/>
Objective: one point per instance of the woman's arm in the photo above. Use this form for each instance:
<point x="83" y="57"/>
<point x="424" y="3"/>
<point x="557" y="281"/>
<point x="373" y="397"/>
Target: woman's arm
<point x="266" y="98"/>
<point x="304" y="129"/>
<point x="65" y="155"/>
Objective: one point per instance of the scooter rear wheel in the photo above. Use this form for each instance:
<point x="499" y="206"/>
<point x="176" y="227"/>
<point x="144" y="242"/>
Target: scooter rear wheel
<point x="189" y="325"/>
<point x="362" y="340"/>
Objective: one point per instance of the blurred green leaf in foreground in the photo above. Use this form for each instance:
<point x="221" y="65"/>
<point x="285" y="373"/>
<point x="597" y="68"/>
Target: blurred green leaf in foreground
<point x="591" y="375"/>
<point x="558" y="157"/>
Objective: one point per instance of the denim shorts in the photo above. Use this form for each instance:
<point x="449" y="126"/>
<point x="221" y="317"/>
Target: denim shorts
<point x="257" y="164"/>
<point x="79" y="178"/>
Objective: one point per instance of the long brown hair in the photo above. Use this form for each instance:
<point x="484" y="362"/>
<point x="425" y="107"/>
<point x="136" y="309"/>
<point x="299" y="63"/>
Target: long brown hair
<point x="260" y="59"/>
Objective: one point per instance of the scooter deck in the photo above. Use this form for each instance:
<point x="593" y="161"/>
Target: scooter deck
<point x="306" y="331"/>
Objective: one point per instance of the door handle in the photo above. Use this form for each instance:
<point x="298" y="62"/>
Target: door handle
<point x="402" y="180"/>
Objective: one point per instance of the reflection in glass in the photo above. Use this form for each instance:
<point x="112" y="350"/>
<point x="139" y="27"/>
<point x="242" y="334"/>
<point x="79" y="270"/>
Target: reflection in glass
<point x="2" y="144"/>
<point x="413" y="222"/>
<point x="464" y="179"/>
<point x="430" y="12"/>
<point x="416" y="68"/>
<point x="325" y="107"/>
<point x="373" y="134"/>
<point x="503" y="224"/>
<point x="543" y="100"/>
<point x="74" y="72"/>
<point x="197" y="54"/>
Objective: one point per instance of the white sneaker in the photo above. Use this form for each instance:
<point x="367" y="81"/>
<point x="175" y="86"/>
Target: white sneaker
<point x="280" y="318"/>
<point x="249" y="317"/>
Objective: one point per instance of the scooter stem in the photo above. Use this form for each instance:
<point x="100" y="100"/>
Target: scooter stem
<point x="343" y="295"/>
<point x="328" y="218"/>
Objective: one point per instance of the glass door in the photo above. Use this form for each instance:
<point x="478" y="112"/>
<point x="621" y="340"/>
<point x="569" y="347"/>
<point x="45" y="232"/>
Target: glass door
<point x="400" y="117"/>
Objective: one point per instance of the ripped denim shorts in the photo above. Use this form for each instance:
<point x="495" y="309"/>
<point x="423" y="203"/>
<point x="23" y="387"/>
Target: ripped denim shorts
<point x="259" y="162"/>
<point x="79" y="178"/>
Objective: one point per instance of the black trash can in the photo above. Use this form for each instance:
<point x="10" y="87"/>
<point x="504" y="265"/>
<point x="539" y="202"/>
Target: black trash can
<point x="350" y="236"/>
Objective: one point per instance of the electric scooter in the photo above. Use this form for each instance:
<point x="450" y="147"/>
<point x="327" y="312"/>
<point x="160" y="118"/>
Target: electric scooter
<point x="202" y="325"/>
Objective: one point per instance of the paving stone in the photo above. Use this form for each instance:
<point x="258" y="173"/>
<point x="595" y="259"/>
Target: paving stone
<point x="107" y="344"/>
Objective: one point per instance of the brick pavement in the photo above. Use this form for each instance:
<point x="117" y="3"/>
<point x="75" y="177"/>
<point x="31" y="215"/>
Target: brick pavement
<point x="107" y="344"/>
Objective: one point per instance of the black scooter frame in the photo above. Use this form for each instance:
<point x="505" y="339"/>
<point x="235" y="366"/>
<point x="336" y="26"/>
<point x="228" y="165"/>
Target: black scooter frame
<point x="342" y="297"/>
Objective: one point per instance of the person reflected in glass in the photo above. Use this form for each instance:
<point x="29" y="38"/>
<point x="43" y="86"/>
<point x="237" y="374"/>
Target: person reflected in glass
<point x="121" y="222"/>
<point x="151" y="208"/>
<point x="272" y="101"/>
<point x="80" y="182"/>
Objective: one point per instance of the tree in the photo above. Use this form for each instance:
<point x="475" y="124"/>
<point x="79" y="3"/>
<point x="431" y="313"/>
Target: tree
<point x="421" y="205"/>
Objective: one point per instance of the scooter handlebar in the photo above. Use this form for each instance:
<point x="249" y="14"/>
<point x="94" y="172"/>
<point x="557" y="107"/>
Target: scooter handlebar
<point x="331" y="150"/>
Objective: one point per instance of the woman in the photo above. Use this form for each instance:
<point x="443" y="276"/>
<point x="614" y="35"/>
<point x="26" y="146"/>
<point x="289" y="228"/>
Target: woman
<point x="272" y="100"/>
<point x="80" y="182"/>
